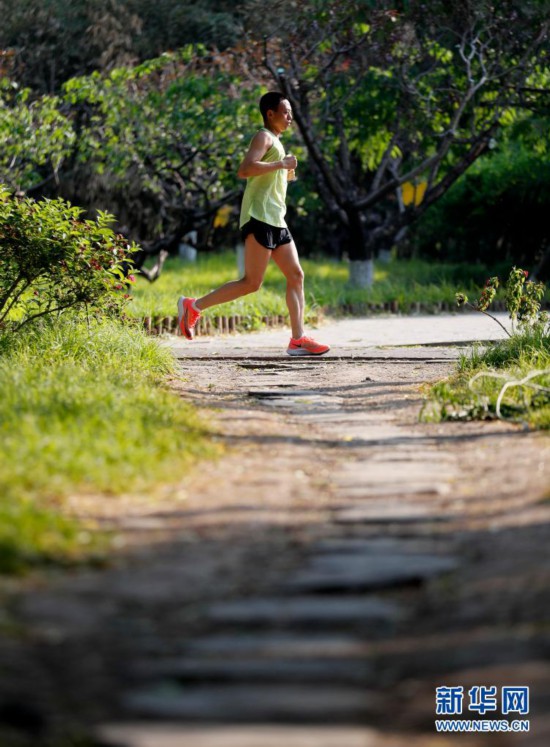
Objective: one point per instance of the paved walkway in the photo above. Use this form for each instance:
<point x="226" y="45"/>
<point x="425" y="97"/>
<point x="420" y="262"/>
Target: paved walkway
<point x="357" y="336"/>
<point x="314" y="586"/>
<point x="382" y="598"/>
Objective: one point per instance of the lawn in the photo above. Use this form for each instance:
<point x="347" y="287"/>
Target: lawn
<point x="84" y="408"/>
<point x="405" y="285"/>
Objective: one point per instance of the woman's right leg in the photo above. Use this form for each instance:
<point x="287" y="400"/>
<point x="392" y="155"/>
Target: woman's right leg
<point x="256" y="259"/>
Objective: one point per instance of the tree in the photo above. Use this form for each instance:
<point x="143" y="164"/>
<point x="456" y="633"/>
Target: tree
<point x="394" y="101"/>
<point x="167" y="135"/>
<point x="167" y="25"/>
<point x="496" y="211"/>
<point x="55" y="40"/>
<point x="36" y="138"/>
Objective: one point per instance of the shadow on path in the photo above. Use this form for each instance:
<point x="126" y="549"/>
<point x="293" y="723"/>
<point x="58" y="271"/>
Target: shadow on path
<point x="313" y="587"/>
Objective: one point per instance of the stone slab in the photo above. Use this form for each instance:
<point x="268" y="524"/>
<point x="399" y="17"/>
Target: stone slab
<point x="283" y="393"/>
<point x="383" y="545"/>
<point x="384" y="512"/>
<point x="248" y="703"/>
<point x="354" y="572"/>
<point x="144" y="734"/>
<point x="293" y="399"/>
<point x="416" y="463"/>
<point x="272" y="645"/>
<point x="395" y="487"/>
<point x="316" y="611"/>
<point x="263" y="670"/>
<point x="409" y="471"/>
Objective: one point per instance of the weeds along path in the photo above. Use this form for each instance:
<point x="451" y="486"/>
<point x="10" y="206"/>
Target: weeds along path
<point x="317" y="583"/>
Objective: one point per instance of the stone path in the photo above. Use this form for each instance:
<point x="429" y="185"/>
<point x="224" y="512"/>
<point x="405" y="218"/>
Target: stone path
<point x="341" y="561"/>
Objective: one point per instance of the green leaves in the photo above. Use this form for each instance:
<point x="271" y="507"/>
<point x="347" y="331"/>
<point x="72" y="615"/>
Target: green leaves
<point x="523" y="301"/>
<point x="164" y="131"/>
<point x="52" y="260"/>
<point x="35" y="138"/>
<point x="386" y="96"/>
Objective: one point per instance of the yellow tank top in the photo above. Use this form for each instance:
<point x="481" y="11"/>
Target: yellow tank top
<point x="265" y="196"/>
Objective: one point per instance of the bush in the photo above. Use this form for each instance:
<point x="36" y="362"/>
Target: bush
<point x="51" y="260"/>
<point x="494" y="212"/>
<point x="523" y="301"/>
<point x="509" y="380"/>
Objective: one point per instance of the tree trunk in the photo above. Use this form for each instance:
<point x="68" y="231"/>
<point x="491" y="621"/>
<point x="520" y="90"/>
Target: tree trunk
<point x="363" y="241"/>
<point x="361" y="273"/>
<point x="358" y="248"/>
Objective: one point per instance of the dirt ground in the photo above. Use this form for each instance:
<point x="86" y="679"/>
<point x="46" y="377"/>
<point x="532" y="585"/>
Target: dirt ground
<point x="325" y="467"/>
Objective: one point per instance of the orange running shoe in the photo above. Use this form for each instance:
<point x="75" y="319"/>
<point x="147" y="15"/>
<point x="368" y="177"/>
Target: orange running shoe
<point x="306" y="346"/>
<point x="187" y="316"/>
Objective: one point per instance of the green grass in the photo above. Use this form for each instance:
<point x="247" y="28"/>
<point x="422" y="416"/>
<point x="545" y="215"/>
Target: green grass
<point x="406" y="281"/>
<point x="509" y="379"/>
<point x="83" y="409"/>
<point x="183" y="278"/>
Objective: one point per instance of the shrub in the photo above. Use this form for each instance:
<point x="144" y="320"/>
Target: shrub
<point x="509" y="380"/>
<point x="523" y="301"/>
<point x="52" y="260"/>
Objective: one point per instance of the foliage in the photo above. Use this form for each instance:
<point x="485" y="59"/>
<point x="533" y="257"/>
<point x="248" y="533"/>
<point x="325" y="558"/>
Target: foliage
<point x="523" y="300"/>
<point x="509" y="380"/>
<point x="35" y="137"/>
<point x="393" y="104"/>
<point x="388" y="99"/>
<point x="56" y="40"/>
<point x="51" y="260"/>
<point x="497" y="208"/>
<point x="157" y="144"/>
<point x="167" y="25"/>
<point x="170" y="131"/>
<point x="83" y="410"/>
<point x="404" y="283"/>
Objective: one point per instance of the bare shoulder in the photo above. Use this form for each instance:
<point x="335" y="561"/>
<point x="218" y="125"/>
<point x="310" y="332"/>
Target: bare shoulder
<point x="264" y="136"/>
<point x="259" y="145"/>
<point x="262" y="140"/>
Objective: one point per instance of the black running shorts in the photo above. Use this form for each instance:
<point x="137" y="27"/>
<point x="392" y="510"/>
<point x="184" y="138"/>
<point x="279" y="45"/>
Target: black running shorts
<point x="269" y="236"/>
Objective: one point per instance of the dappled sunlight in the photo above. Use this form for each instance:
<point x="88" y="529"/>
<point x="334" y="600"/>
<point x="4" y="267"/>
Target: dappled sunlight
<point x="405" y="284"/>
